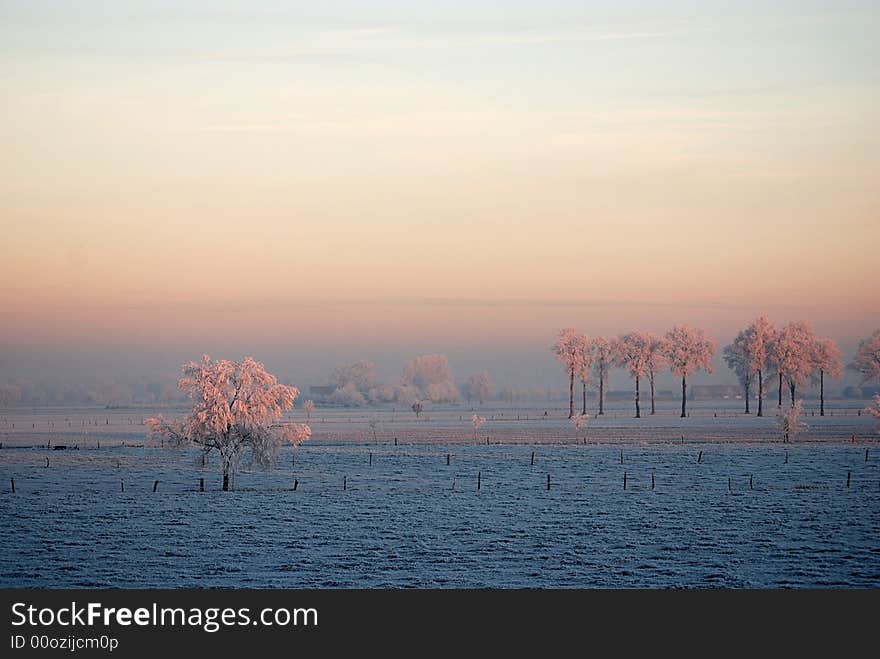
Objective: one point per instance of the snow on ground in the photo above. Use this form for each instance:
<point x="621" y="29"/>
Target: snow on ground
<point x="731" y="506"/>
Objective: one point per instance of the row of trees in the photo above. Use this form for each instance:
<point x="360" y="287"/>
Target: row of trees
<point x="793" y="354"/>
<point x="683" y="349"/>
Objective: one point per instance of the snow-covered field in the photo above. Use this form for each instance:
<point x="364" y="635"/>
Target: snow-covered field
<point x="730" y="504"/>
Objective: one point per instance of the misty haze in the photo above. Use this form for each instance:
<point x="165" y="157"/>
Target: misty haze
<point x="390" y="294"/>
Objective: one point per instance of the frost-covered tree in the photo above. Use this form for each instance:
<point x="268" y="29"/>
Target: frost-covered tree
<point x="236" y="411"/>
<point x="736" y="356"/>
<point x="477" y="421"/>
<point x="407" y="394"/>
<point x="348" y="395"/>
<point x="309" y="407"/>
<point x="631" y="351"/>
<point x="383" y="393"/>
<point x="874" y="410"/>
<point x="479" y="386"/>
<point x="688" y="350"/>
<point x="583" y="365"/>
<point x="794" y="356"/>
<point x="602" y="356"/>
<point x="430" y="376"/>
<point x="760" y="336"/>
<point x="790" y="423"/>
<point x="566" y="351"/>
<point x="353" y="383"/>
<point x="579" y="421"/>
<point x="656" y="362"/>
<point x="417" y="408"/>
<point x="826" y="360"/>
<point x="867" y="360"/>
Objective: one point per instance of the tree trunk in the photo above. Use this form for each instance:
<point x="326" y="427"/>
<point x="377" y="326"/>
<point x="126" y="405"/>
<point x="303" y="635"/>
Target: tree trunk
<point x="821" y="392"/>
<point x="652" y="392"/>
<point x="683" y="397"/>
<point x="584" y="383"/>
<point x="225" y="480"/>
<point x="638" y="411"/>
<point x="791" y="386"/>
<point x="780" y="390"/>
<point x="760" y="393"/>
<point x="747" y="398"/>
<point x="571" y="395"/>
<point x="601" y="393"/>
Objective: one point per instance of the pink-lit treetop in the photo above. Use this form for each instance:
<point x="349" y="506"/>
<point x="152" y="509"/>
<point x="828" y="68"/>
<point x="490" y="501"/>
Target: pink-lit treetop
<point x="583" y="357"/>
<point x="759" y="338"/>
<point x="689" y="350"/>
<point x="632" y="351"/>
<point x="794" y="352"/>
<point x="236" y="409"/>
<point x="867" y="359"/>
<point x="827" y="358"/>
<point x="566" y="349"/>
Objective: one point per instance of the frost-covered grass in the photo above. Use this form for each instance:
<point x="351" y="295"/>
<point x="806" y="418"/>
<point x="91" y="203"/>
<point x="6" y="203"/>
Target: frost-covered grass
<point x="709" y="421"/>
<point x="408" y="519"/>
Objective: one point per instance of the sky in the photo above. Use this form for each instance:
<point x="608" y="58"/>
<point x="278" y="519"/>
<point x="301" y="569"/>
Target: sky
<point x="313" y="183"/>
